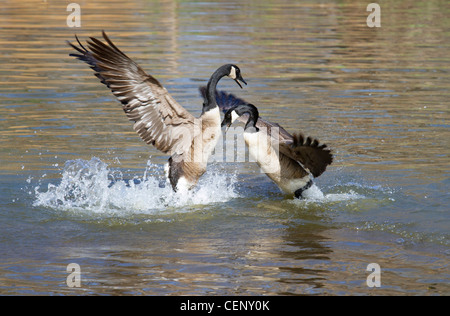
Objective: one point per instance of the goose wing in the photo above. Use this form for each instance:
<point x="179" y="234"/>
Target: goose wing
<point x="159" y="119"/>
<point x="307" y="151"/>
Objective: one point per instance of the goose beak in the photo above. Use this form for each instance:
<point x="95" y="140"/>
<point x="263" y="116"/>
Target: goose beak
<point x="241" y="79"/>
<point x="227" y="124"/>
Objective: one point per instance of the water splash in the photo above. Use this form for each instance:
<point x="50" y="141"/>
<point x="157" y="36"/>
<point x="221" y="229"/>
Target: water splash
<point x="315" y="195"/>
<point x="91" y="186"/>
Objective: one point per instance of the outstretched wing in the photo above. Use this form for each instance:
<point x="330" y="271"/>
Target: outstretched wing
<point x="159" y="119"/>
<point x="307" y="151"/>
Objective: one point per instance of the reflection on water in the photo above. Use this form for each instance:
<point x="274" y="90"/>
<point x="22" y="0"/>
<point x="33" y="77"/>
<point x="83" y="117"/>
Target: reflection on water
<point x="377" y="96"/>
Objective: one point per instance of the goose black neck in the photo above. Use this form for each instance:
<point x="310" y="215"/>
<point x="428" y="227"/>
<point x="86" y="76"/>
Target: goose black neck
<point x="253" y="116"/>
<point x="210" y="102"/>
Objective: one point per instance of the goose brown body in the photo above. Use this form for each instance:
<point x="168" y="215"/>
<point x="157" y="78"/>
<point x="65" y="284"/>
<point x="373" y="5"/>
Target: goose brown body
<point x="290" y="161"/>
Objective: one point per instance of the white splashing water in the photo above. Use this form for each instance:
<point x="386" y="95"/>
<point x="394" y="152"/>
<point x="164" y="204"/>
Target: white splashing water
<point x="91" y="186"/>
<point x="315" y="195"/>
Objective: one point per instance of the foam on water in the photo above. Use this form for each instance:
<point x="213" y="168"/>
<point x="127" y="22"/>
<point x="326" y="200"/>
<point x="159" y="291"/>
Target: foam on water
<point x="91" y="186"/>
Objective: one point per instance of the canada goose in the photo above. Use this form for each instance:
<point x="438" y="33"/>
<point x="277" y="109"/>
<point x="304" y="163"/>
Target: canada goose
<point x="291" y="161"/>
<point x="159" y="119"/>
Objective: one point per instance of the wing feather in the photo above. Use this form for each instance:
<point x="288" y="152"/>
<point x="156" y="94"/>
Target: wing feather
<point x="309" y="153"/>
<point x="158" y="117"/>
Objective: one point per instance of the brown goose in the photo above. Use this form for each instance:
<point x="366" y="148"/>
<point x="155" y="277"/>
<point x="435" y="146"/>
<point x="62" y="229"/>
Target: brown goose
<point x="159" y="119"/>
<point x="291" y="161"/>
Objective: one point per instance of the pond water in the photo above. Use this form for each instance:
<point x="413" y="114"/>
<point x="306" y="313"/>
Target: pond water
<point x="77" y="185"/>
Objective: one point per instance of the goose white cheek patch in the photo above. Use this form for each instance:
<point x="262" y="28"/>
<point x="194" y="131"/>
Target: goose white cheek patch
<point x="234" y="116"/>
<point x="232" y="74"/>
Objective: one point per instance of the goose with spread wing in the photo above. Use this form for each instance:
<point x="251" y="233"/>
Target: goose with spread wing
<point x="291" y="161"/>
<point x="158" y="118"/>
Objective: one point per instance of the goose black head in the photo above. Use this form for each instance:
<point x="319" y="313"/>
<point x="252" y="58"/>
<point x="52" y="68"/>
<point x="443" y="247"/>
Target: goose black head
<point x="235" y="73"/>
<point x="234" y="113"/>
